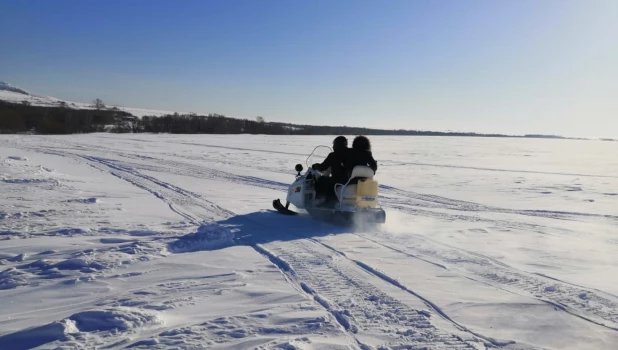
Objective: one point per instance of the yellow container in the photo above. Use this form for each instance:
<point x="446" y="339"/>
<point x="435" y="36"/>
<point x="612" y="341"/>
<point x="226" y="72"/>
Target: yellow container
<point x="367" y="193"/>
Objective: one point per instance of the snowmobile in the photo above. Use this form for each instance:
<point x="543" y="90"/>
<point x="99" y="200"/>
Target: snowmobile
<point x="357" y="200"/>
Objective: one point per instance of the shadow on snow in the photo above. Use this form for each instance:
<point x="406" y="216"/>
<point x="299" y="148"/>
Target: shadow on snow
<point x="255" y="228"/>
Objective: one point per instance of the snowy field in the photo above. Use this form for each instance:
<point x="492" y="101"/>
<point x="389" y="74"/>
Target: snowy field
<point x="169" y="242"/>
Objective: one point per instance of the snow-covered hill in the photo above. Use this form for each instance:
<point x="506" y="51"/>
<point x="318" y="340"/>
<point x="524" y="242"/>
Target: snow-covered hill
<point x="166" y="241"/>
<point x="14" y="94"/>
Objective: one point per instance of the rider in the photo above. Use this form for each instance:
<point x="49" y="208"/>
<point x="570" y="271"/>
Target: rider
<point x="325" y="185"/>
<point x="360" y="154"/>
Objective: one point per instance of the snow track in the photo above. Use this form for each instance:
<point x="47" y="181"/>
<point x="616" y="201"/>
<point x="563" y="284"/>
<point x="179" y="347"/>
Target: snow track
<point x="353" y="282"/>
<point x="352" y="297"/>
<point x="186" y="203"/>
<point x="592" y="305"/>
<point x="426" y="201"/>
<point x="339" y="285"/>
<point x="139" y="162"/>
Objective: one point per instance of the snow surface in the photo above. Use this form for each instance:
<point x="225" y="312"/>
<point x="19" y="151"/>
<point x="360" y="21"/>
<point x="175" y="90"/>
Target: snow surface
<point x="163" y="241"/>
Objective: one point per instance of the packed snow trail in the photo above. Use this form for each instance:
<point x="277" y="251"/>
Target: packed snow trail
<point x="360" y="284"/>
<point x="590" y="304"/>
<point x="364" y="320"/>
<point x="353" y="299"/>
<point x="601" y="305"/>
<point x="371" y="317"/>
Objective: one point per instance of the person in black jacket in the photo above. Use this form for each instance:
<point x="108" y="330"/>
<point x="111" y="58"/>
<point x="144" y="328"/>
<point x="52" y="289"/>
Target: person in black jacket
<point x="360" y="154"/>
<point x="325" y="185"/>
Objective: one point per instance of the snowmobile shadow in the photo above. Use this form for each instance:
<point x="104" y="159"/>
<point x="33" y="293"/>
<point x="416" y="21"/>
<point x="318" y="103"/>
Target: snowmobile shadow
<point x="255" y="228"/>
<point x="268" y="226"/>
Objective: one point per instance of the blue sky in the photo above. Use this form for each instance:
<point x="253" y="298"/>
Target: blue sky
<point x="523" y="66"/>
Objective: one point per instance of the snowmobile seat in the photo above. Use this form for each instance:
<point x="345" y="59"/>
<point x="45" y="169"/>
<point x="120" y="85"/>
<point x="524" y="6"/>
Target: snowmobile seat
<point x="361" y="171"/>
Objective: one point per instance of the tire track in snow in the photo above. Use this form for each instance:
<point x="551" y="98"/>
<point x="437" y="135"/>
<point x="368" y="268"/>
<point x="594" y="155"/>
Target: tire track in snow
<point x="571" y="298"/>
<point x="424" y="334"/>
<point x="403" y="200"/>
<point x="185" y="169"/>
<point x="170" y="194"/>
<point x="455" y="261"/>
<point x="429" y="303"/>
<point x="589" y="304"/>
<point x="456" y="217"/>
<point x="216" y="146"/>
<point x="507" y="170"/>
<point x="144" y="163"/>
<point x="174" y="167"/>
<point x="125" y="171"/>
<point x="383" y="276"/>
<point x="135" y="182"/>
<point x="429" y="201"/>
<point x="191" y="206"/>
<point x="351" y="296"/>
<point x="411" y="202"/>
<point x="175" y="196"/>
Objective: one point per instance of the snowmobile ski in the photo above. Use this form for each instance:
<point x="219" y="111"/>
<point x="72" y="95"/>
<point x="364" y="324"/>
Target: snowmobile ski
<point x="282" y="209"/>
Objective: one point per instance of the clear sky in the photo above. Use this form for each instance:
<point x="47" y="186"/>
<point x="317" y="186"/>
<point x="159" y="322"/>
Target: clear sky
<point x="524" y="66"/>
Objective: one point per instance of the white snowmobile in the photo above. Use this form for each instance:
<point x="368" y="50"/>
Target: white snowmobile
<point x="357" y="200"/>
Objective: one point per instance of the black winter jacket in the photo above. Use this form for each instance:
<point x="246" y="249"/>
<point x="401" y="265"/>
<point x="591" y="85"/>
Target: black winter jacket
<point x="334" y="161"/>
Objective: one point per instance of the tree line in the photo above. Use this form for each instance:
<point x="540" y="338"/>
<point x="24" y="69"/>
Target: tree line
<point x="25" y="118"/>
<point x="210" y="124"/>
<point x="61" y="119"/>
<point x="20" y="118"/>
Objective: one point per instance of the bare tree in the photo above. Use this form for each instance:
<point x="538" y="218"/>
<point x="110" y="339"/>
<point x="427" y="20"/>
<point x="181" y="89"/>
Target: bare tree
<point x="98" y="104"/>
<point x="260" y="120"/>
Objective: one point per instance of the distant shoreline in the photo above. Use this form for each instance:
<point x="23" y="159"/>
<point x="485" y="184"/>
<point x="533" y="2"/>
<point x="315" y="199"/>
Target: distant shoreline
<point x="21" y="118"/>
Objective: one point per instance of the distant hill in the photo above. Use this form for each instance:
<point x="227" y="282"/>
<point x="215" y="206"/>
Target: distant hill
<point x="10" y="93"/>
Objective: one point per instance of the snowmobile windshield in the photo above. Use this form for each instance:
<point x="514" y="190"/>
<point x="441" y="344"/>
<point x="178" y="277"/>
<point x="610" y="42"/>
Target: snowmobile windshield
<point x="318" y="155"/>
